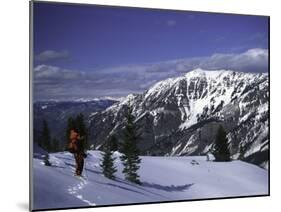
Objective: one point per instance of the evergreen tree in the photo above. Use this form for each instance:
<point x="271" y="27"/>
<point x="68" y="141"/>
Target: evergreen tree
<point x="45" y="138"/>
<point x="107" y="163"/>
<point x="130" y="157"/>
<point x="81" y="127"/>
<point x="55" y="145"/>
<point x="46" y="160"/>
<point x="69" y="127"/>
<point x="242" y="150"/>
<point x="221" y="149"/>
<point x="113" y="143"/>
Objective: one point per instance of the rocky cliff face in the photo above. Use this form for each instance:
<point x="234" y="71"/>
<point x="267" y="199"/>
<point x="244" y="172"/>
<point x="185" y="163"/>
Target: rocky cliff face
<point x="180" y="116"/>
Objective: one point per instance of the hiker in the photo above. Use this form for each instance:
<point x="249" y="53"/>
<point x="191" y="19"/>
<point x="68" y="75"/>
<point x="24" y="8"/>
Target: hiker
<point x="76" y="147"/>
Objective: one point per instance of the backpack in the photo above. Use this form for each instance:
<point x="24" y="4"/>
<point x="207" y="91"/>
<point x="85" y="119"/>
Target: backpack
<point x="72" y="147"/>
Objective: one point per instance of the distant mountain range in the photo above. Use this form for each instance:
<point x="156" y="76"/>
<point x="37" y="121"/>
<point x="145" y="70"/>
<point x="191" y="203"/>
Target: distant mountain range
<point x="179" y="116"/>
<point x="56" y="114"/>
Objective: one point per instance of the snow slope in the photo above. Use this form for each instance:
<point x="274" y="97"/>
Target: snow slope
<point x="163" y="178"/>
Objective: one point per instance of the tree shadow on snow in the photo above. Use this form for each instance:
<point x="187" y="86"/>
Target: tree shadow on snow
<point x="155" y="186"/>
<point x="131" y="187"/>
<point x="93" y="171"/>
<point x="169" y="188"/>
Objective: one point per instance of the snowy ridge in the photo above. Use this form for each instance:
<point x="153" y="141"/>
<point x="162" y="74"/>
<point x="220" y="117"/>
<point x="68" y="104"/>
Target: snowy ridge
<point x="181" y="114"/>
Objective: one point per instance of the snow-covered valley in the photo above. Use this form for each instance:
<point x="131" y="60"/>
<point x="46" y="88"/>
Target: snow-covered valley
<point x="163" y="179"/>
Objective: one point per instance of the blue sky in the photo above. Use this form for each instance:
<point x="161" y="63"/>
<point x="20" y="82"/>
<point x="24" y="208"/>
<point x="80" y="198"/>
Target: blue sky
<point x="94" y="45"/>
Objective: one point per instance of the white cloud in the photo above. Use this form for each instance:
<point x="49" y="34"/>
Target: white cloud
<point x="57" y="83"/>
<point x="50" y="55"/>
<point x="253" y="60"/>
<point x="46" y="72"/>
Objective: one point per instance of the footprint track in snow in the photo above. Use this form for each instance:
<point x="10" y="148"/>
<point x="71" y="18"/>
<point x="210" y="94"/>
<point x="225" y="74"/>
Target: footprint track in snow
<point x="74" y="190"/>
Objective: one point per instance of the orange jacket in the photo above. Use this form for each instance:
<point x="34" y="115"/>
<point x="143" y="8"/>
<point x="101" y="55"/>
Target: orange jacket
<point x="74" y="135"/>
<point x="75" y="142"/>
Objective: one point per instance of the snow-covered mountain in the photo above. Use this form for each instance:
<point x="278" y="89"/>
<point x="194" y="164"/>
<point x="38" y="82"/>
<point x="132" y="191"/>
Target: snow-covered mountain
<point x="190" y="177"/>
<point x="180" y="116"/>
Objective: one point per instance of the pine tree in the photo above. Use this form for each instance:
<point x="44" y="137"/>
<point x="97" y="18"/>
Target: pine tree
<point x="55" y="145"/>
<point x="113" y="143"/>
<point x="107" y="163"/>
<point x="221" y="148"/>
<point x="242" y="150"/>
<point x="46" y="160"/>
<point x="130" y="157"/>
<point x="45" y="138"/>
